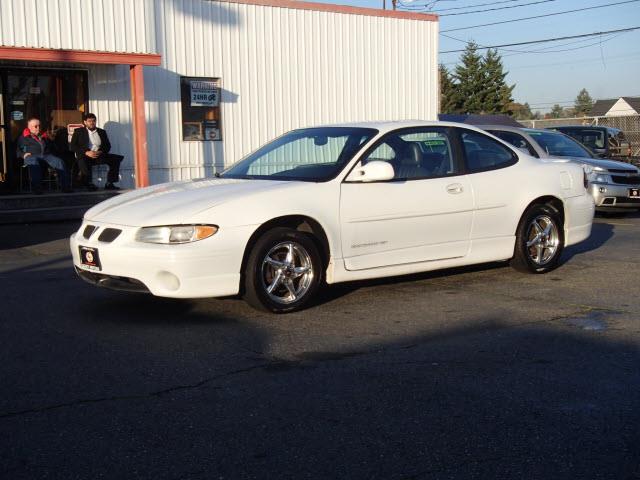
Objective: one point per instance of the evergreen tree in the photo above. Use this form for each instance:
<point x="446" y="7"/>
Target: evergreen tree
<point x="556" y="111"/>
<point x="449" y="102"/>
<point x="497" y="94"/>
<point x="583" y="103"/>
<point x="470" y="80"/>
<point x="520" y="111"/>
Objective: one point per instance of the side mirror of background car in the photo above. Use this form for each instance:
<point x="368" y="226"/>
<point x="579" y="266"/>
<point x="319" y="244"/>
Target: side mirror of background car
<point x="375" y="171"/>
<point x="601" y="152"/>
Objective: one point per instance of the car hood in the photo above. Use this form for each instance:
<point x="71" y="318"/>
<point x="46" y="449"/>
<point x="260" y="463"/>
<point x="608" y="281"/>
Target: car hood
<point x="177" y="202"/>
<point x="602" y="163"/>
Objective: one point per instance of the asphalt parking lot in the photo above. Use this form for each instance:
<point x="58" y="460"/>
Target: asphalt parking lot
<point x="481" y="372"/>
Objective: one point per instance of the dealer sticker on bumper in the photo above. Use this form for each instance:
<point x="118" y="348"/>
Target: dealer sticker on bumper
<point x="89" y="258"/>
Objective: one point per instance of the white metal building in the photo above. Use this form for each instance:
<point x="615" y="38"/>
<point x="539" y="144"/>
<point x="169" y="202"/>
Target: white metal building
<point x="262" y="67"/>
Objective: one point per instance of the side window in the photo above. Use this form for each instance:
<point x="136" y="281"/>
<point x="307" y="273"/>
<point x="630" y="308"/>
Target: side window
<point x="483" y="153"/>
<point x="417" y="154"/>
<point x="516" y="140"/>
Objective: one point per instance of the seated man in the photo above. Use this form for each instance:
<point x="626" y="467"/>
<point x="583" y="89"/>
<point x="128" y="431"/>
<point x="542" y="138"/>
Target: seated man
<point x="35" y="151"/>
<point x="91" y="146"/>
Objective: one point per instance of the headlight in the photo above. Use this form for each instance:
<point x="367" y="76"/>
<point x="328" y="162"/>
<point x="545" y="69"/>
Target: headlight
<point x="175" y="233"/>
<point x="598" y="175"/>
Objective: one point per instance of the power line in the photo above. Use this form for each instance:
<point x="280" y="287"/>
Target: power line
<point x="616" y="59"/>
<point x="477" y="5"/>
<point x="411" y="7"/>
<point x="555" y="39"/>
<point x="497" y="8"/>
<point x="559" y="102"/>
<point x="544" y="49"/>
<point x="538" y="16"/>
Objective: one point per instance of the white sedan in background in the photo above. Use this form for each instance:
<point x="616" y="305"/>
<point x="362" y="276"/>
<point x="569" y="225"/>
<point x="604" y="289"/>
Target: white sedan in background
<point x="333" y="204"/>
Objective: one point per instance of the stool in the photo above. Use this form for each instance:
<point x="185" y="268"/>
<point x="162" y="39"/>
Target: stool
<point x="50" y="179"/>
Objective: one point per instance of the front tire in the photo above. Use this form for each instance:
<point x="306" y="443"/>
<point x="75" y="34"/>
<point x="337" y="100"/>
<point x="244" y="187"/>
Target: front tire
<point x="283" y="272"/>
<point x="539" y="240"/>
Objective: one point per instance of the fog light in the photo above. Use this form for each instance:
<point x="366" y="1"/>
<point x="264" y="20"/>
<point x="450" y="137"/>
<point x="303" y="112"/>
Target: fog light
<point x="602" y="190"/>
<point x="169" y="281"/>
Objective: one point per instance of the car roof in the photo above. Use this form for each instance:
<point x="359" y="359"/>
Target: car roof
<point x="387" y="126"/>
<point x="588" y="127"/>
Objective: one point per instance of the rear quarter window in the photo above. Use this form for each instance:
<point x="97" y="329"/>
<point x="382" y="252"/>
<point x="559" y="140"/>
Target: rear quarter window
<point x="483" y="153"/>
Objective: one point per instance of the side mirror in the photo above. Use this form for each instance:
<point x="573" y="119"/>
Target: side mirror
<point x="601" y="152"/>
<point x="375" y="171"/>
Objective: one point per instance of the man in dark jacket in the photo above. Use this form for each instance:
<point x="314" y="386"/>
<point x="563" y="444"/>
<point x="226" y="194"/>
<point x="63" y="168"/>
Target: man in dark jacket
<point x="91" y="146"/>
<point x="34" y="149"/>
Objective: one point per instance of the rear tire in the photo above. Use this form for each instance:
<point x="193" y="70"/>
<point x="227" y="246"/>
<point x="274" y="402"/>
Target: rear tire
<point x="284" y="271"/>
<point x="539" y="240"/>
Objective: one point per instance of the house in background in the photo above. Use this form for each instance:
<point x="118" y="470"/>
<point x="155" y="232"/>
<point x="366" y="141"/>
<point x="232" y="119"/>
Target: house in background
<point x="616" y="107"/>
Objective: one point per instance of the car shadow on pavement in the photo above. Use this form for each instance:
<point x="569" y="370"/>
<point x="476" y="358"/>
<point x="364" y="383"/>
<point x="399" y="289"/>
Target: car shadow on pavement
<point x="601" y="233"/>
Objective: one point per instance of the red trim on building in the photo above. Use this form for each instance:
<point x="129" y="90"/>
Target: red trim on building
<point x="324" y="7"/>
<point x="139" y="126"/>
<point x="27" y="54"/>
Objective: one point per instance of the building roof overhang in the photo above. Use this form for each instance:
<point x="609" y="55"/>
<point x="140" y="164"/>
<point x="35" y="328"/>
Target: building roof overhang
<point x="326" y="7"/>
<point x="29" y="54"/>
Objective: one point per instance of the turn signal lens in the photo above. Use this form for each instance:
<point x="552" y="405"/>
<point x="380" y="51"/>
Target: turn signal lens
<point x="175" y="233"/>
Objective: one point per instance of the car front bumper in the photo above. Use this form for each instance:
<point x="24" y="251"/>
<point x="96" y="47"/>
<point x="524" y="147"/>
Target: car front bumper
<point x="207" y="268"/>
<point x="608" y="196"/>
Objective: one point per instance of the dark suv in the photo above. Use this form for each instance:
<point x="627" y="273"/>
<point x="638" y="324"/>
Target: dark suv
<point x="606" y="142"/>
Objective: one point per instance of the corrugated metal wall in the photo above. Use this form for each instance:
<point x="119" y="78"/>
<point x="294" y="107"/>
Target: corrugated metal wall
<point x="281" y="68"/>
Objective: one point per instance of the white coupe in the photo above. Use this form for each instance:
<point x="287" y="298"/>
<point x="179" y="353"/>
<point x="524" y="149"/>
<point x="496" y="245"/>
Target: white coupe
<point x="333" y="204"/>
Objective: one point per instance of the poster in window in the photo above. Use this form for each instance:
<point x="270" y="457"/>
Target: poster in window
<point x="204" y="94"/>
<point x="201" y="112"/>
<point x="211" y="131"/>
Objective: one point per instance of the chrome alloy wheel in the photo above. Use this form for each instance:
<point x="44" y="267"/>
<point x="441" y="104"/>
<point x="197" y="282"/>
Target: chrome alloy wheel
<point x="287" y="272"/>
<point x="543" y="240"/>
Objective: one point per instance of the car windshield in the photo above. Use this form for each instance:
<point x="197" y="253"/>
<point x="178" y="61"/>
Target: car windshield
<point x="559" y="145"/>
<point x="592" y="138"/>
<point x="310" y="154"/>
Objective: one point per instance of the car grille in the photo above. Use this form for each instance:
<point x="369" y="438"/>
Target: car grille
<point x="109" y="235"/>
<point x="617" y="170"/>
<point x="629" y="180"/>
<point x="627" y="200"/>
<point x="88" y="231"/>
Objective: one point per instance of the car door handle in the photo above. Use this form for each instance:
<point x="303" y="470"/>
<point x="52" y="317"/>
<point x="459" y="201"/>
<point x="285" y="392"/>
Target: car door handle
<point x="455" y="188"/>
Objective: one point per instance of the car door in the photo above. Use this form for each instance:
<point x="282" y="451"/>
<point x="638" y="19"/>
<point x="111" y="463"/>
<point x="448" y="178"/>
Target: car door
<point x="496" y="183"/>
<point x="423" y="214"/>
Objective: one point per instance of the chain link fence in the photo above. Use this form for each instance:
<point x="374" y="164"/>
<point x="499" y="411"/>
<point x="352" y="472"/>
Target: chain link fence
<point x="629" y="124"/>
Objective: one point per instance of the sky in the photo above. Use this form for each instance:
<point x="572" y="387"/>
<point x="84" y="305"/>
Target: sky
<point x="608" y="66"/>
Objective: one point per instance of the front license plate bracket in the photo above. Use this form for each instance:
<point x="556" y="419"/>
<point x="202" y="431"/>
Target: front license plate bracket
<point x="90" y="259"/>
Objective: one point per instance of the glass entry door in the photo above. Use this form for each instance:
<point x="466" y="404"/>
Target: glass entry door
<point x="4" y="165"/>
<point x="57" y="97"/>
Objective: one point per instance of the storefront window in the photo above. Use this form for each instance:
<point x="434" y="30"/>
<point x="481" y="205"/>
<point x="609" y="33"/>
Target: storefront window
<point x="57" y="98"/>
<point x="200" y="108"/>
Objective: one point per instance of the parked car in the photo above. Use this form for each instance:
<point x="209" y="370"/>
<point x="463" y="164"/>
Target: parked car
<point x="615" y="186"/>
<point x="334" y="204"/>
<point x="605" y="142"/>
